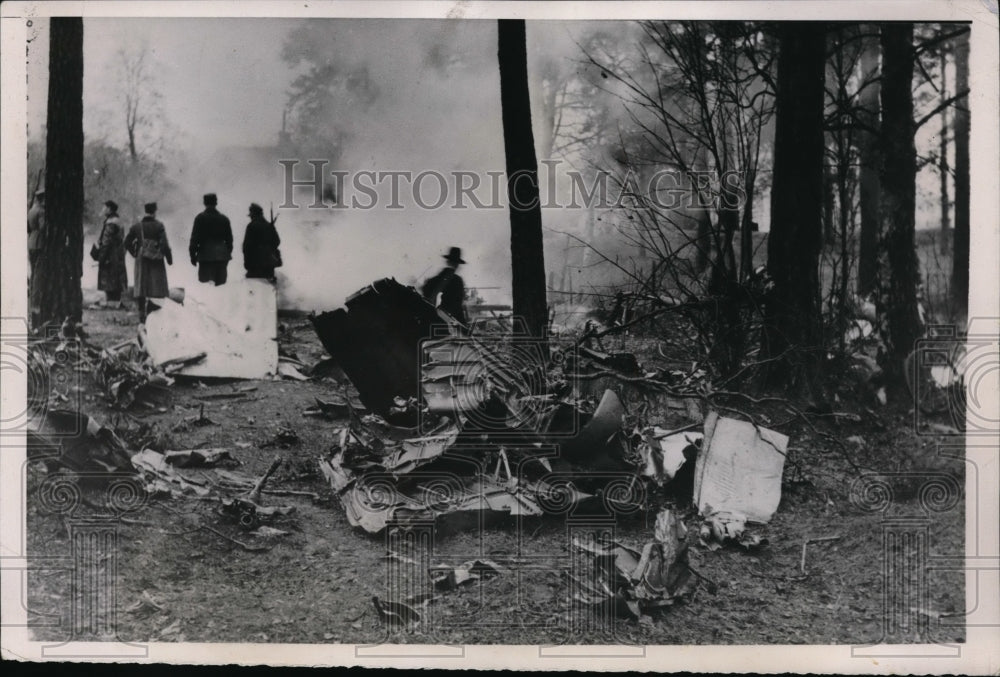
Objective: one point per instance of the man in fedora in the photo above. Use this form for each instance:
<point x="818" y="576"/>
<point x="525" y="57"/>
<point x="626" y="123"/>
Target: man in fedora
<point x="211" y="242"/>
<point x="450" y="286"/>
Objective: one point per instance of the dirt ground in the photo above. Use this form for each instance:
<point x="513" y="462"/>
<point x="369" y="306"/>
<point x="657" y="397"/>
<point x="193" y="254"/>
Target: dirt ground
<point x="315" y="585"/>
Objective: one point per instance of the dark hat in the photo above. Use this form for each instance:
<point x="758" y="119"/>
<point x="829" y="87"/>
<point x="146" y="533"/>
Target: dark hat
<point x="255" y="209"/>
<point x="112" y="205"/>
<point x="150" y="207"/>
<point x="210" y="199"/>
<point x="454" y="255"/>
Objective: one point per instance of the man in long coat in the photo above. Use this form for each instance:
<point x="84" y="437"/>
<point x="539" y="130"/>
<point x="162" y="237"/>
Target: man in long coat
<point x="111" y="276"/>
<point x="211" y="244"/>
<point x="147" y="242"/>
<point x="260" y="245"/>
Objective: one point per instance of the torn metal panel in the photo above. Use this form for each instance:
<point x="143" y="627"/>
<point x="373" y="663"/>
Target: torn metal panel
<point x="663" y="452"/>
<point x="738" y="472"/>
<point x="235" y="325"/>
<point x="74" y="440"/>
<point x="373" y="501"/>
<point x="446" y="577"/>
<point x="466" y="378"/>
<point x="376" y="340"/>
<point x="197" y="458"/>
<point x="599" y="442"/>
<point x="635" y="582"/>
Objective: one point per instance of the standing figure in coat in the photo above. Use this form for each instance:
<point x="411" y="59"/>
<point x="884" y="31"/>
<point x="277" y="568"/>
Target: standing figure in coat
<point x="450" y="286"/>
<point x="260" y="246"/>
<point x="211" y="243"/>
<point x="111" y="276"/>
<point x="147" y="242"/>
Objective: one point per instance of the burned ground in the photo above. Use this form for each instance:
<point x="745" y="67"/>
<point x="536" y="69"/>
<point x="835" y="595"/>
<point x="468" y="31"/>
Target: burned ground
<point x="183" y="575"/>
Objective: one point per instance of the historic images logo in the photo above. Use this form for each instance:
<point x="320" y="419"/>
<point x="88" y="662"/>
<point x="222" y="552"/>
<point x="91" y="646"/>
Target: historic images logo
<point x="954" y="378"/>
<point x="39" y="373"/>
<point x="556" y="184"/>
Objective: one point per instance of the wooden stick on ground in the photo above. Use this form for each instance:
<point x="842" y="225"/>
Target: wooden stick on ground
<point x="805" y="543"/>
<point x="254" y="495"/>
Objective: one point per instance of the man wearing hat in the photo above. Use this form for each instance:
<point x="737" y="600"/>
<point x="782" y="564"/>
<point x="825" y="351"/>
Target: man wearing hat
<point x="111" y="276"/>
<point x="450" y="286"/>
<point x="260" y="245"/>
<point x="36" y="220"/>
<point x="211" y="242"/>
<point x="147" y="242"/>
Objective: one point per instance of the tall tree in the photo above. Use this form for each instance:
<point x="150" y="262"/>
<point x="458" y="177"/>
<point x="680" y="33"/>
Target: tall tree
<point x="960" y="254"/>
<point x="55" y="290"/>
<point x="898" y="300"/>
<point x="527" y="255"/>
<point x="943" y="169"/>
<point x="792" y="329"/>
<point x="868" y="172"/>
<point x="139" y="97"/>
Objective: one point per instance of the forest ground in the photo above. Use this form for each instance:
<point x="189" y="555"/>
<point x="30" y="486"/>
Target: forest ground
<point x="315" y="585"/>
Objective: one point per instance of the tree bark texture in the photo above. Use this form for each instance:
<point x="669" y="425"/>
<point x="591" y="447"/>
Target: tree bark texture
<point x="527" y="255"/>
<point x="55" y="290"/>
<point x="792" y="333"/>
<point x="898" y="299"/>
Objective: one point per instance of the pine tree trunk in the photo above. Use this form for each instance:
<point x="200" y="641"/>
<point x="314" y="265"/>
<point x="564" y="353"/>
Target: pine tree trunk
<point x="792" y="333"/>
<point x="943" y="160"/>
<point x="898" y="299"/>
<point x="868" y="179"/>
<point x="527" y="255"/>
<point x="960" y="254"/>
<point x="55" y="291"/>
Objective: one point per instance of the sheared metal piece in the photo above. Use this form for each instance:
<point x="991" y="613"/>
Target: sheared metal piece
<point x="376" y="340"/>
<point x="719" y="529"/>
<point x="467" y="380"/>
<point x="127" y="376"/>
<point x="235" y="324"/>
<point x="372" y="501"/>
<point x="163" y="479"/>
<point x="634" y="582"/>
<point x="594" y="443"/>
<point x="663" y="452"/>
<point x="446" y="577"/>
<point x="395" y="614"/>
<point x="197" y="458"/>
<point x="738" y="472"/>
<point x="74" y="440"/>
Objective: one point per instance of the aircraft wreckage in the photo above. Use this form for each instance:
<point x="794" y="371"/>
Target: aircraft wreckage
<point x="462" y="424"/>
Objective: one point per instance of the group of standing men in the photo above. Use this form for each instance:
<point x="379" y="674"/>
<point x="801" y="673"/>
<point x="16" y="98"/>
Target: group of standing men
<point x="210" y="248"/>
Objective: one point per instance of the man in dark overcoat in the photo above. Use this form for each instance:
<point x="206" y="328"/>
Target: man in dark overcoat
<point x="260" y="245"/>
<point x="111" y="276"/>
<point x="211" y="244"/>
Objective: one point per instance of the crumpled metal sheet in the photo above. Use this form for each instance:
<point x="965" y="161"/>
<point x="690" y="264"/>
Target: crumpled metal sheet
<point x="738" y="472"/>
<point x="74" y="440"/>
<point x="446" y="577"/>
<point x="376" y="339"/>
<point x="235" y="325"/>
<point x="373" y="501"/>
<point x="596" y="441"/>
<point x="663" y="453"/>
<point x="637" y="582"/>
<point x="162" y="477"/>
